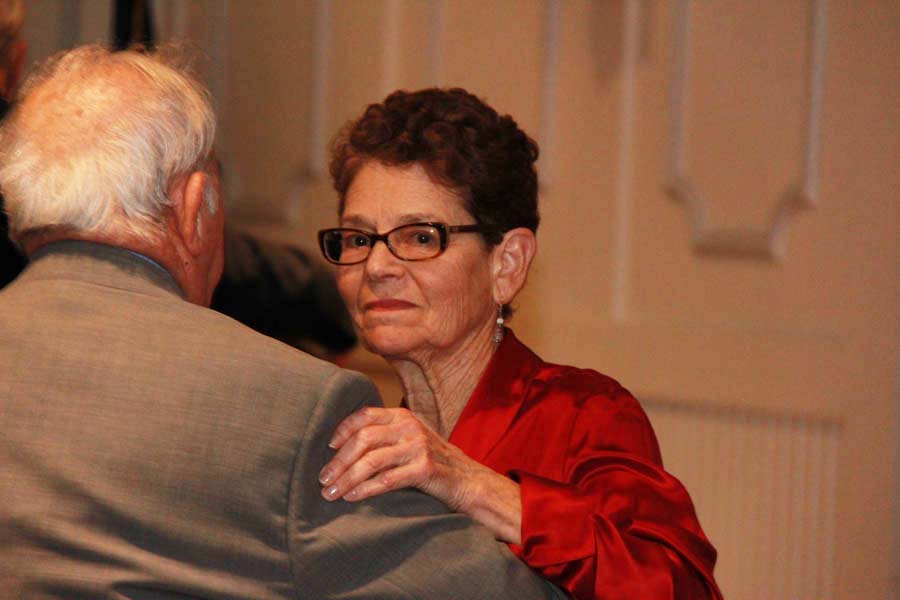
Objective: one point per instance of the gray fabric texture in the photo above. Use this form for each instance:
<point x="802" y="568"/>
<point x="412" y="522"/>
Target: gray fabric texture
<point x="154" y="449"/>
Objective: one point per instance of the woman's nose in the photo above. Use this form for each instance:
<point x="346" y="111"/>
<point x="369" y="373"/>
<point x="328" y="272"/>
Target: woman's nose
<point x="382" y="263"/>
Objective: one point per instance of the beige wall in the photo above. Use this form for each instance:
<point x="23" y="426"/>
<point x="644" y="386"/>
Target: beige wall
<point x="721" y="216"/>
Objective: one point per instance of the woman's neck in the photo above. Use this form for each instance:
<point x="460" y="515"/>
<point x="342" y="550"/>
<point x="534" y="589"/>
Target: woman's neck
<point x="438" y="386"/>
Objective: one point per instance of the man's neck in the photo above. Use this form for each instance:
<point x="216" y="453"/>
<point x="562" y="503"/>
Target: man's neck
<point x="160" y="252"/>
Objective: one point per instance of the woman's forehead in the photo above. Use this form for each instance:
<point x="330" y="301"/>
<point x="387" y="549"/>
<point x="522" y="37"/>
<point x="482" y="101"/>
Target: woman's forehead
<point x="388" y="195"/>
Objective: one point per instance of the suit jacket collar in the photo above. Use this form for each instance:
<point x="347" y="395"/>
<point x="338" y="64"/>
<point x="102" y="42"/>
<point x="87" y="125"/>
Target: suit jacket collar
<point x="497" y="398"/>
<point x="100" y="264"/>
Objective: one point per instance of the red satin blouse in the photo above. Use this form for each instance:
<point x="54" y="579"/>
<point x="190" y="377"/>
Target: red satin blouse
<point x="600" y="516"/>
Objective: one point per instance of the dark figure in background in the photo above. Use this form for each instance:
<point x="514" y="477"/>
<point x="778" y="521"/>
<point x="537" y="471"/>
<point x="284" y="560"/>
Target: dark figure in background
<point x="133" y="24"/>
<point x="274" y="288"/>
<point x="12" y="58"/>
<point x="279" y="291"/>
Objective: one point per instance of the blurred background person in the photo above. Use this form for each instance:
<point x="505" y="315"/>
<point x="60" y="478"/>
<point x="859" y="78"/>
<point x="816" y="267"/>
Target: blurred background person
<point x="438" y="213"/>
<point x="279" y="290"/>
<point x="12" y="59"/>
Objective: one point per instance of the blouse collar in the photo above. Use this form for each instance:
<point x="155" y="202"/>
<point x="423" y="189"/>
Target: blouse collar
<point x="497" y="397"/>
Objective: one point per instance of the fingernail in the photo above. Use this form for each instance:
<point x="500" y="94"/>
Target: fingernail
<point x="326" y="476"/>
<point x="331" y="492"/>
<point x="332" y="445"/>
<point x="351" y="495"/>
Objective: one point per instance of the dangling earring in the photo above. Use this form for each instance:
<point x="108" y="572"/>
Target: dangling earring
<point x="498" y="329"/>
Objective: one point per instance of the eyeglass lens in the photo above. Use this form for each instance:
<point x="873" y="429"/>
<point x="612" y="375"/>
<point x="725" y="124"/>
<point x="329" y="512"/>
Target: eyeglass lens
<point x="408" y="242"/>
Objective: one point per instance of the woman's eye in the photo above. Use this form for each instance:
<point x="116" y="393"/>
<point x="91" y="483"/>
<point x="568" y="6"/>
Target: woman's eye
<point x="359" y="241"/>
<point x="424" y="238"/>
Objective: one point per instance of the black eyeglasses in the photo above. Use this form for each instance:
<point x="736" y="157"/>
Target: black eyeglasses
<point x="416" y="241"/>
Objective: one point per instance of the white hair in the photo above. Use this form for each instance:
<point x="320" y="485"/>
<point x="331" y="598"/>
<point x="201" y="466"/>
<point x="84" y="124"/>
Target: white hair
<point x="97" y="139"/>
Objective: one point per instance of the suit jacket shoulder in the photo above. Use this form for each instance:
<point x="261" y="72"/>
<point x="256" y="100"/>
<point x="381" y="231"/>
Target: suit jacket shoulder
<point x="152" y="448"/>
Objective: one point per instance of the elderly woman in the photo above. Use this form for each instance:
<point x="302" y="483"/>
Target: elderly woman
<point x="559" y="462"/>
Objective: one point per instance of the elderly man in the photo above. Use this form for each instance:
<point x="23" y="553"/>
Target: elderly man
<point x="150" y="447"/>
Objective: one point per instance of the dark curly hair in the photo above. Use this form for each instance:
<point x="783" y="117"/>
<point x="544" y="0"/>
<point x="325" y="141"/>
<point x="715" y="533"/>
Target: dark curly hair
<point x="461" y="142"/>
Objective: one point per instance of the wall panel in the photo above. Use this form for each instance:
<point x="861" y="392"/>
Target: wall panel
<point x="766" y="494"/>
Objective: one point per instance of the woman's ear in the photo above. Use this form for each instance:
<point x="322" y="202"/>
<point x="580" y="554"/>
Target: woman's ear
<point x="511" y="261"/>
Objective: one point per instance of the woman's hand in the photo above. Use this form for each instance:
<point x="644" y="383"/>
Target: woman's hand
<point x="384" y="449"/>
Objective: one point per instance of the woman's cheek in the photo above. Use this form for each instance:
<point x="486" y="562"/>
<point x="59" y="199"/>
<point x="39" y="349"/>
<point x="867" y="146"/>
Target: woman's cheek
<point x="348" y="288"/>
<point x="454" y="310"/>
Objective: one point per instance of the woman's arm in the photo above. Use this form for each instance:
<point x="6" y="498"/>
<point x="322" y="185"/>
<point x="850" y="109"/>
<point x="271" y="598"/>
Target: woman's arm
<point x="611" y="523"/>
<point x="383" y="449"/>
<point x="615" y="525"/>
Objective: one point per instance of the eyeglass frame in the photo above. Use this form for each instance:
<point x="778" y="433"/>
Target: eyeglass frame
<point x="442" y="228"/>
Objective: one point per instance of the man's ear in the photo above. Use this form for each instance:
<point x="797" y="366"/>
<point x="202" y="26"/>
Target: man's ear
<point x="511" y="260"/>
<point x="188" y="202"/>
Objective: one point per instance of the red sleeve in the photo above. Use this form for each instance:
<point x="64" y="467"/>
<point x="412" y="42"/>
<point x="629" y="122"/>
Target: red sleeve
<point x="620" y="527"/>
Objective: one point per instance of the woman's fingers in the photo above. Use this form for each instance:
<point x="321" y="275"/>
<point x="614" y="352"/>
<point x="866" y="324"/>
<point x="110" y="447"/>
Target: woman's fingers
<point x="403" y="476"/>
<point x="374" y="467"/>
<point x="386" y="449"/>
<point x="364" y="417"/>
<point x="366" y="429"/>
<point x="354" y="449"/>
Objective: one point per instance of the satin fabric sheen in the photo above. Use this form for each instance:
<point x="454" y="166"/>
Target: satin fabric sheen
<point x="600" y="516"/>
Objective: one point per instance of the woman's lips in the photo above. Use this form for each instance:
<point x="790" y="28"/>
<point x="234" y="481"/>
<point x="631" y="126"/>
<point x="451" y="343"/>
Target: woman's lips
<point x="388" y="304"/>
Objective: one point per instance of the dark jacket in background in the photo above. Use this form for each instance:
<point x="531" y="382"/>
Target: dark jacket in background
<point x="11" y="260"/>
<point x="279" y="291"/>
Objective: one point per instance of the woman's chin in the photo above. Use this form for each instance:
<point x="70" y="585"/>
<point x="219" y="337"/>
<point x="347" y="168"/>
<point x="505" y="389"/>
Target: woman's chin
<point x="389" y="341"/>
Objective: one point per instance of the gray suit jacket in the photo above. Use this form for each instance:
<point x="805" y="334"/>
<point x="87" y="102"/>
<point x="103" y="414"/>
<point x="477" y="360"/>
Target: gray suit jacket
<point x="151" y="448"/>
